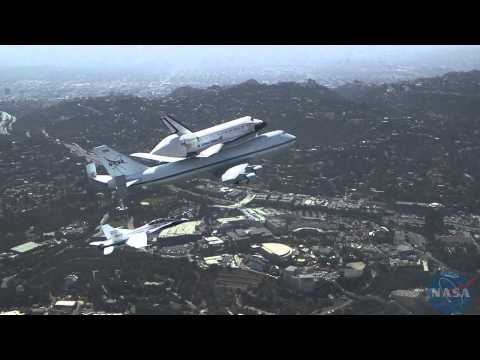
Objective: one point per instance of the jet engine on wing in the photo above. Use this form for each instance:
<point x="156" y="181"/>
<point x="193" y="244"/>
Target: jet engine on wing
<point x="241" y="173"/>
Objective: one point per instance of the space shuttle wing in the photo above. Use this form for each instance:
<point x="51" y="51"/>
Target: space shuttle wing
<point x="138" y="240"/>
<point x="163" y="226"/>
<point x="159" y="158"/>
<point x="174" y="126"/>
<point x="212" y="150"/>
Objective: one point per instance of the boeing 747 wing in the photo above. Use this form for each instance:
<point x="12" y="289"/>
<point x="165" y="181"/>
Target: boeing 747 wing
<point x="158" y="158"/>
<point x="234" y="162"/>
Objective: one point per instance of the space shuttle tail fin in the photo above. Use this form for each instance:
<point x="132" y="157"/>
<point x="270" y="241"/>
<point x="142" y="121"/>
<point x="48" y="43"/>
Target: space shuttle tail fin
<point x="107" y="230"/>
<point x="175" y="126"/>
<point x="116" y="163"/>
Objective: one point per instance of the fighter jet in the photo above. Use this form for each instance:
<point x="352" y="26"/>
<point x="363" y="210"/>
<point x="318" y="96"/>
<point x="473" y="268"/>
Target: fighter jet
<point x="137" y="238"/>
<point x="124" y="172"/>
<point x="184" y="143"/>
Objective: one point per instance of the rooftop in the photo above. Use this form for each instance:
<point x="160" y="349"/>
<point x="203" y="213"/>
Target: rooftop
<point x="359" y="265"/>
<point x="213" y="260"/>
<point x="12" y="312"/>
<point x="231" y="219"/>
<point x="65" y="303"/>
<point x="28" y="246"/>
<point x="277" y="249"/>
<point x="187" y="228"/>
<point x="214" y="240"/>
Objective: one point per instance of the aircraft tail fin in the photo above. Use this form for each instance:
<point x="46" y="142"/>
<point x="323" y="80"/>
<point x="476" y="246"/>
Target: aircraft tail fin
<point x="174" y="126"/>
<point x="116" y="163"/>
<point x="107" y="230"/>
<point x="108" y="250"/>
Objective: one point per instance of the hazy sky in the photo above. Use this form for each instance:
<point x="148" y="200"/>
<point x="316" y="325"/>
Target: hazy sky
<point x="159" y="56"/>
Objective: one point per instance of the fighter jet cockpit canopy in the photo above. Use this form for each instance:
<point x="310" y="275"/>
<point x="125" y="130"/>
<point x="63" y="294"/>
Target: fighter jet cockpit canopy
<point x="159" y="220"/>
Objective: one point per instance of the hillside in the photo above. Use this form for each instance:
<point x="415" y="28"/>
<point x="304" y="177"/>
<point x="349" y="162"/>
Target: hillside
<point x="415" y="140"/>
<point x="295" y="107"/>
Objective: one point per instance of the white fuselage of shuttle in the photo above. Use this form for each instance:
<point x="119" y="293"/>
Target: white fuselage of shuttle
<point x="185" y="145"/>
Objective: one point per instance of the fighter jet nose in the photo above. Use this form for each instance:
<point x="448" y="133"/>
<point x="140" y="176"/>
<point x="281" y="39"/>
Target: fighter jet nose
<point x="260" y="125"/>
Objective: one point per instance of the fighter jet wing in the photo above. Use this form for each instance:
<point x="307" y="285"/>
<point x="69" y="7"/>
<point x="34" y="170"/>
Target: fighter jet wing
<point x="162" y="224"/>
<point x="158" y="158"/>
<point x="212" y="150"/>
<point x="108" y="250"/>
<point x="155" y="229"/>
<point x="138" y="240"/>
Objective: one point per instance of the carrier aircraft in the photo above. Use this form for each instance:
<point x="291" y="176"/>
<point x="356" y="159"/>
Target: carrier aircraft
<point x="233" y="163"/>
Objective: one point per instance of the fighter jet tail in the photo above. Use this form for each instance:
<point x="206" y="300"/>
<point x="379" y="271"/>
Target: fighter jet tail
<point x="116" y="163"/>
<point x="108" y="250"/>
<point x="107" y="230"/>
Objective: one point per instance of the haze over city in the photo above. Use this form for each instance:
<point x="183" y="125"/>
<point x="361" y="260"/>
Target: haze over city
<point x="148" y="180"/>
<point x="158" y="57"/>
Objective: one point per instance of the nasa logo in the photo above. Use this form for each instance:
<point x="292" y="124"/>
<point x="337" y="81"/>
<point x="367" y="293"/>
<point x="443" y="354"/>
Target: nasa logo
<point x="450" y="293"/>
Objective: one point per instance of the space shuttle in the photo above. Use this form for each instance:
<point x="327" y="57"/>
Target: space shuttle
<point x="184" y="143"/>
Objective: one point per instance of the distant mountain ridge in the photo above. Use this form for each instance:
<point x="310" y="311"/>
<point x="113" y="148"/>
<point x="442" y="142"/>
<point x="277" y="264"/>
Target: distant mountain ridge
<point x="289" y="106"/>
<point x="412" y="140"/>
<point x="314" y="113"/>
